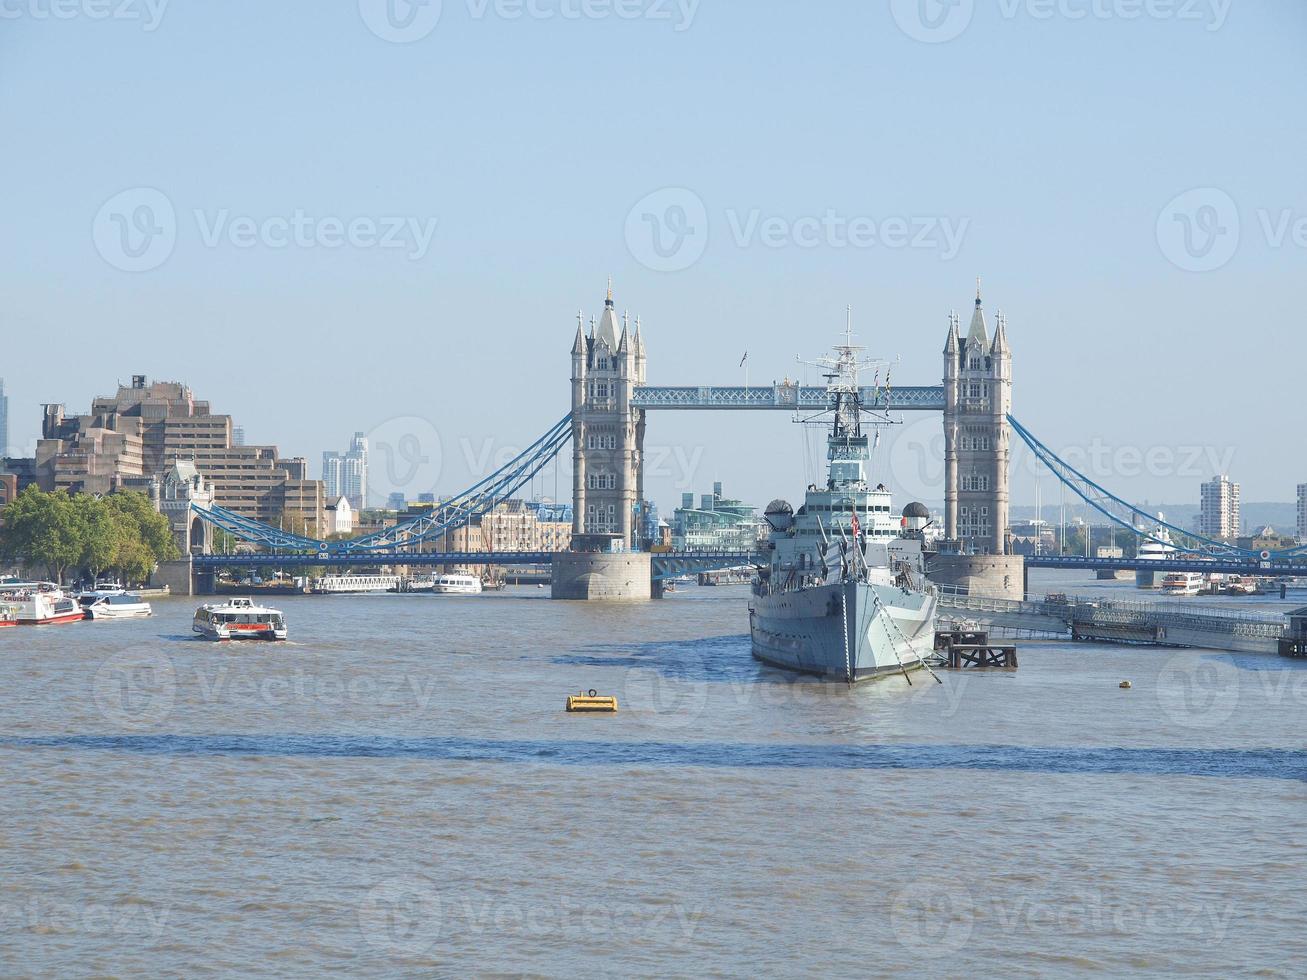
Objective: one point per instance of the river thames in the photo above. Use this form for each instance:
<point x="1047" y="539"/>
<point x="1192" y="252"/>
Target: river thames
<point x="397" y="790"/>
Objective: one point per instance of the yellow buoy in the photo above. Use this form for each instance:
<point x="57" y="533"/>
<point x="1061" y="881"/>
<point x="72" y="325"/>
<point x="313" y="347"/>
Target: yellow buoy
<point x="591" y="701"/>
<point x="1124" y="685"/>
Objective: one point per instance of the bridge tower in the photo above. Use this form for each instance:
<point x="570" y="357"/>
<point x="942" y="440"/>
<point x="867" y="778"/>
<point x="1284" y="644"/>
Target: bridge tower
<point x="977" y="400"/>
<point x="977" y="450"/>
<point x="605" y="562"/>
<point x="607" y="432"/>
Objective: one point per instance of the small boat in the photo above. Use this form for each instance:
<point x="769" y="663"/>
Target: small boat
<point x="123" y="605"/>
<point x="456" y="585"/>
<point x="39" y="604"/>
<point x="1182" y="583"/>
<point x="101" y="590"/>
<point x="1238" y="585"/>
<point x="239" y="619"/>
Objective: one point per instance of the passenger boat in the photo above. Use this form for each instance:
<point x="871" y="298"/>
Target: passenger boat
<point x="40" y="604"/>
<point x="336" y="584"/>
<point x="456" y="585"/>
<point x="1183" y="583"/>
<point x="100" y="590"/>
<point x="122" y="605"/>
<point x="1156" y="547"/>
<point x="239" y="619"/>
<point x="845" y="594"/>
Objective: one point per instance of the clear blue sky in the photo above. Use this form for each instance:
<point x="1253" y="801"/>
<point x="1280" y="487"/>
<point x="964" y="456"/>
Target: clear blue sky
<point x="1057" y="142"/>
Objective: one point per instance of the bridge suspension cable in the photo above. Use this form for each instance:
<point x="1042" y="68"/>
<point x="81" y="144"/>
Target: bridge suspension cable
<point x="447" y="516"/>
<point x="1126" y="514"/>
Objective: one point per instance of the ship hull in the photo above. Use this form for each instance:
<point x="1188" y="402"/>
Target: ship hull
<point x="851" y="631"/>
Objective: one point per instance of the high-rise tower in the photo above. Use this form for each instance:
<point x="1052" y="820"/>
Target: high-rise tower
<point x="977" y="440"/>
<point x="607" y="433"/>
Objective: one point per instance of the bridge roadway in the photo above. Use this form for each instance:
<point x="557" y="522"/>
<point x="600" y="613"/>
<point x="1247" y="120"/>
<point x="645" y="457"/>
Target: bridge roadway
<point x="666" y="564"/>
<point x="1182" y="563"/>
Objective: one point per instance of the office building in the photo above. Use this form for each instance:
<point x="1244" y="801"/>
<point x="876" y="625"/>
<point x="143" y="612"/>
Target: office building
<point x="132" y="439"/>
<point x="346" y="474"/>
<point x="718" y="524"/>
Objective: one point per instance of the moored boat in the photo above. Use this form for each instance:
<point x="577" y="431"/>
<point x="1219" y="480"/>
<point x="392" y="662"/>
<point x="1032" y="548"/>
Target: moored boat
<point x="456" y="585"/>
<point x="1182" y="583"/>
<point x="40" y="604"/>
<point x="845" y="595"/>
<point x="239" y="619"/>
<point x="123" y="605"/>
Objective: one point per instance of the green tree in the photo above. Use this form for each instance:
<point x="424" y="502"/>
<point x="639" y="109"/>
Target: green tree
<point x="145" y="534"/>
<point x="102" y="535"/>
<point x="43" y="529"/>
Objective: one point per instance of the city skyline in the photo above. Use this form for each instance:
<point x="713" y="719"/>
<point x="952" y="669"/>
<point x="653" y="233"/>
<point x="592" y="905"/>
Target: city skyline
<point x="782" y="251"/>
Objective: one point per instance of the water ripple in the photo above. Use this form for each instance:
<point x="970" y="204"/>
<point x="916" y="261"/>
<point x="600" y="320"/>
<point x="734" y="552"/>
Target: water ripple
<point x="1266" y="763"/>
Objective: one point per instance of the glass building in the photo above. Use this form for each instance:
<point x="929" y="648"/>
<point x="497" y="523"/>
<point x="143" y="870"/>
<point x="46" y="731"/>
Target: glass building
<point x="718" y="524"/>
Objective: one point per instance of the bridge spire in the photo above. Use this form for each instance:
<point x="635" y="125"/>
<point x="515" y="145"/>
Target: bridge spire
<point x="578" y="345"/>
<point x="978" y="333"/>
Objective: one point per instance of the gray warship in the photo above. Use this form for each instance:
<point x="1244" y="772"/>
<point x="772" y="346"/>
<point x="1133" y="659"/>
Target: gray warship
<point x="845" y="594"/>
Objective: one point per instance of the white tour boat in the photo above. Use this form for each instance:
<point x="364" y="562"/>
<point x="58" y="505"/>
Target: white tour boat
<point x="239" y="619"/>
<point x="121" y="605"/>
<point x="1183" y="583"/>
<point x="39" y="603"/>
<point x="456" y="585"/>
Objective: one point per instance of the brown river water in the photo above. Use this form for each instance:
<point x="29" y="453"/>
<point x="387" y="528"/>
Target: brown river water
<point x="397" y="791"/>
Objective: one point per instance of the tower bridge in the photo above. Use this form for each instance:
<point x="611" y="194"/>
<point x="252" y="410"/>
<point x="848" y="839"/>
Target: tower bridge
<point x="611" y="402"/>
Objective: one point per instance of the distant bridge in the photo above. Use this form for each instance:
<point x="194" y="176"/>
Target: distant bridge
<point x="1232" y="564"/>
<point x="665" y="565"/>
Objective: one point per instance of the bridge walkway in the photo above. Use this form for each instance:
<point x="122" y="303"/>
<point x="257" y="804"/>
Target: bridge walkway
<point x="1161" y="623"/>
